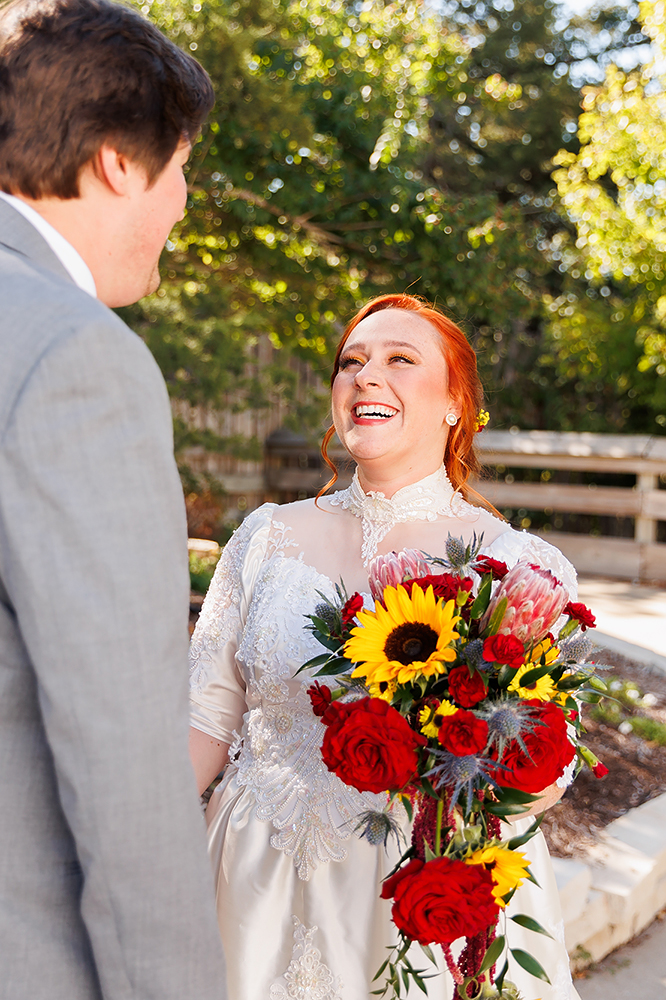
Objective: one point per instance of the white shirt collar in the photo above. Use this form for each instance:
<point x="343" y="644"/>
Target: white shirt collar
<point x="70" y="258"/>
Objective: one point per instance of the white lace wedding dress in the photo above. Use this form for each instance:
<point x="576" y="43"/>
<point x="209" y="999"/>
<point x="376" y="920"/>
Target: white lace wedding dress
<point x="297" y="890"/>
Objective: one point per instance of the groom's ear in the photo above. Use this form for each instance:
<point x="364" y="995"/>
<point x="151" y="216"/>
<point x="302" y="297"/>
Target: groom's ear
<point x="116" y="172"/>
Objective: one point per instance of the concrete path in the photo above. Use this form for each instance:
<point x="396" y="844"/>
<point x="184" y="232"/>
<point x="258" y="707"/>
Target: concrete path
<point x="638" y="970"/>
<point x="631" y="618"/>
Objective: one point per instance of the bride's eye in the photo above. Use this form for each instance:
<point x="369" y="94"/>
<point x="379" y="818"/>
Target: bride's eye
<point x="346" y="362"/>
<point x="402" y="357"/>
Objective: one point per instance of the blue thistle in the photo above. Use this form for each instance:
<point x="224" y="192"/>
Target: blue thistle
<point x="378" y="827"/>
<point x="507" y="721"/>
<point x="461" y="773"/>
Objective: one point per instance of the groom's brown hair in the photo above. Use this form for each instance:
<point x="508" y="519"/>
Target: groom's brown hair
<point x="75" y="74"/>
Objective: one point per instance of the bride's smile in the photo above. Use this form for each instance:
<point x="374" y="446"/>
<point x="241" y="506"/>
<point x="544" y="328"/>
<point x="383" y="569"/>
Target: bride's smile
<point x="390" y="399"/>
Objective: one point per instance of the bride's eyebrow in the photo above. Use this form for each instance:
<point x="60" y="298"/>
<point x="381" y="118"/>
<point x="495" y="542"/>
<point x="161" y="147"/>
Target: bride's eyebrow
<point x="362" y="349"/>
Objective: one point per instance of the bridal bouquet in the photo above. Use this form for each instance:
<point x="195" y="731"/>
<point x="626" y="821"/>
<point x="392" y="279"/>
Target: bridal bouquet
<point x="454" y="697"/>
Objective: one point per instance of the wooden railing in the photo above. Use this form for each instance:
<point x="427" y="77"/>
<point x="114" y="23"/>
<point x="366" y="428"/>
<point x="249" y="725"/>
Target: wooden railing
<point x="293" y="469"/>
<point x="640" y="456"/>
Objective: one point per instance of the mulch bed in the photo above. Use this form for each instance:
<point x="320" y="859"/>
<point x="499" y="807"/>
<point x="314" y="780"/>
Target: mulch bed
<point x="637" y="768"/>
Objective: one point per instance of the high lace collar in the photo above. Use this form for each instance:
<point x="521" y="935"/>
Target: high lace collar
<point x="426" y="500"/>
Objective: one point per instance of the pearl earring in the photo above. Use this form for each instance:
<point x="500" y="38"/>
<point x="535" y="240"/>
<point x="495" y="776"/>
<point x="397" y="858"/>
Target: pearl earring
<point x="451" y="419"/>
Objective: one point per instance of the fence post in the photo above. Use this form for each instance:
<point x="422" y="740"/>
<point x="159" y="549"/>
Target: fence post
<point x="645" y="530"/>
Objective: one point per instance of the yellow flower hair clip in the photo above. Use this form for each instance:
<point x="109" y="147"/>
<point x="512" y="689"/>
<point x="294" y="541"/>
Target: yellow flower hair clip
<point x="482" y="420"/>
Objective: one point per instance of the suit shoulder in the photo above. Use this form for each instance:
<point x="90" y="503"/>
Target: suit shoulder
<point x="43" y="315"/>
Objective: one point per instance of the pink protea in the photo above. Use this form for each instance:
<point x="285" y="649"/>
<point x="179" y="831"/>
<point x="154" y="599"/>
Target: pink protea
<point x="392" y="569"/>
<point x="535" y="600"/>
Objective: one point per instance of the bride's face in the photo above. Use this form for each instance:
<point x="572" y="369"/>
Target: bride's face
<point x="390" y="396"/>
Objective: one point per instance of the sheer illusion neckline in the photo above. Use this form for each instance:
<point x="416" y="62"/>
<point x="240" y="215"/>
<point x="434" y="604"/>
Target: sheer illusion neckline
<point x="426" y="500"/>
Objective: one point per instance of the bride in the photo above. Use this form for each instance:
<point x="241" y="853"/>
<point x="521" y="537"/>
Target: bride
<point x="297" y="890"/>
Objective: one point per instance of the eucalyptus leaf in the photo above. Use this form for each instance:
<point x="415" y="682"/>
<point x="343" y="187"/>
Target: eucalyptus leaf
<point x="530" y="923"/>
<point x="529" y="964"/>
<point x="494" y="951"/>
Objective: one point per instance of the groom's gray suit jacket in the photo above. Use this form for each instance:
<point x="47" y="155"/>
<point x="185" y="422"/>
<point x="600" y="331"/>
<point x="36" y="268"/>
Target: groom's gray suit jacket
<point x="105" y="888"/>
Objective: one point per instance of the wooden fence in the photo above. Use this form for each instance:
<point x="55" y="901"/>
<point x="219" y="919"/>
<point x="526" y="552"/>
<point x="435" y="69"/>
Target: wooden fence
<point x="640" y="456"/>
<point x="292" y="469"/>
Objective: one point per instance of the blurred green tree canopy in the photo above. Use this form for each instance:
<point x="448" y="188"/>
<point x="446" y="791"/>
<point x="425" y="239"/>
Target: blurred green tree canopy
<point x="614" y="190"/>
<point x="369" y="146"/>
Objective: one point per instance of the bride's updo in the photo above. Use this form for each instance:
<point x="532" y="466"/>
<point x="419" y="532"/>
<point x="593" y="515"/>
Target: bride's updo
<point x="460" y="456"/>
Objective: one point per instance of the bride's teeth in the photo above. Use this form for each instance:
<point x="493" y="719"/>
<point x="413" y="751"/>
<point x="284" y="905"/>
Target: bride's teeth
<point x="373" y="410"/>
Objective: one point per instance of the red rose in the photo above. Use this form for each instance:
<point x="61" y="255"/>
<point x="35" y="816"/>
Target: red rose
<point x="465" y="690"/>
<point x="369" y="745"/>
<point x="351" y="608"/>
<point x="444" y="585"/>
<point x="463" y="734"/>
<point x="581" y="614"/>
<point x="549" y="752"/>
<point x="504" y="649"/>
<point x="320" y="696"/>
<point x="484" y="564"/>
<point x="442" y="900"/>
<point x="599" y="770"/>
<point x="389" y="886"/>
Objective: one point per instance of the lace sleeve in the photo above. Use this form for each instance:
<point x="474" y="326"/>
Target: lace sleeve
<point x="217" y="689"/>
<point x="513" y="545"/>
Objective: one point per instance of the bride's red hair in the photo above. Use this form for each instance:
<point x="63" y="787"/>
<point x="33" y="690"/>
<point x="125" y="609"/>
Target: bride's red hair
<point x="460" y="456"/>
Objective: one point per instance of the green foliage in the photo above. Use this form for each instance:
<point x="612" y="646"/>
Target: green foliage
<point x="202" y="568"/>
<point x="357" y="148"/>
<point x="614" y="190"/>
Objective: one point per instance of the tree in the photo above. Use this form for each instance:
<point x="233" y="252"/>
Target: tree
<point x="614" y="190"/>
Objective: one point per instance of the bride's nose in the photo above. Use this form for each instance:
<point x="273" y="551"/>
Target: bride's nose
<point x="368" y="376"/>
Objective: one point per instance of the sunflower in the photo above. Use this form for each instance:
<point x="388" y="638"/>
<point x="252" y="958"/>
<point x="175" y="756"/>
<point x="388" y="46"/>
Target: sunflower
<point x="430" y="717"/>
<point x="410" y="636"/>
<point x="508" y="869"/>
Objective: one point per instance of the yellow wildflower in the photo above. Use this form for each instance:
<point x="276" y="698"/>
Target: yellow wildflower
<point x="431" y="717"/>
<point x="508" y="869"/>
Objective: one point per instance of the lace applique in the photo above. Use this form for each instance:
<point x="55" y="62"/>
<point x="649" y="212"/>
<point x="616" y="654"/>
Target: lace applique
<point x="278" y="540"/>
<point x="311" y="810"/>
<point x="307" y="978"/>
<point x="426" y="500"/>
<point x="220" y="620"/>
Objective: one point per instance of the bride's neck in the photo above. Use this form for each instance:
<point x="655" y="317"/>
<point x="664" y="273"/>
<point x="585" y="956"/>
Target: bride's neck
<point x="389" y="480"/>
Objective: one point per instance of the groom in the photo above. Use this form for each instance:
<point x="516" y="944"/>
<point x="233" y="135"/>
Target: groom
<point x="105" y="888"/>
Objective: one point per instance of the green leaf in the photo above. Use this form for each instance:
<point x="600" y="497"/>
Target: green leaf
<point x="499" y="980"/>
<point x="316" y="661"/>
<point x="529" y="964"/>
<point x="482" y="599"/>
<point x="428" y="952"/>
<point x="496" y="617"/>
<point x="334" y="666"/>
<point x="516" y="842"/>
<point x="408" y="808"/>
<point x="514" y="795"/>
<point x="505" y="677"/>
<point x="499" y="809"/>
<point x="534" y="675"/>
<point x="494" y="951"/>
<point x="532" y="925"/>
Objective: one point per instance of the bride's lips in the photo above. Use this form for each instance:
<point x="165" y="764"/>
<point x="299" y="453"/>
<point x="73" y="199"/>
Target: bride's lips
<point x="372" y="413"/>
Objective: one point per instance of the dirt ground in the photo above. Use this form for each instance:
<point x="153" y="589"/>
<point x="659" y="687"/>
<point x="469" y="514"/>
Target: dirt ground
<point x="637" y="768"/>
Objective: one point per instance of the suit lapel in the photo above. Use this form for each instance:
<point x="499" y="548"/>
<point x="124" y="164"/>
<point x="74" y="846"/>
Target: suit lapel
<point x="18" y="236"/>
